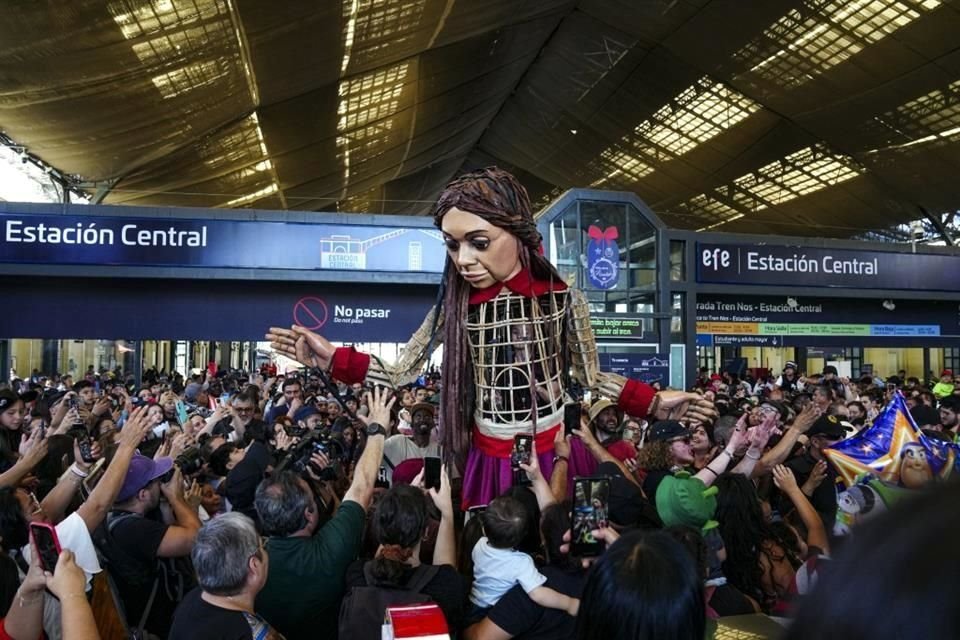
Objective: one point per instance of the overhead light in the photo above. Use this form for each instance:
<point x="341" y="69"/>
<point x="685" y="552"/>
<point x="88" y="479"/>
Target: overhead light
<point x="889" y="305"/>
<point x="573" y="131"/>
<point x="792" y="303"/>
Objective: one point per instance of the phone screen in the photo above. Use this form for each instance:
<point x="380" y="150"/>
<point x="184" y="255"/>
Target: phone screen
<point x="571" y="417"/>
<point x="48" y="548"/>
<point x="591" y="497"/>
<point x="431" y="473"/>
<point x="522" y="446"/>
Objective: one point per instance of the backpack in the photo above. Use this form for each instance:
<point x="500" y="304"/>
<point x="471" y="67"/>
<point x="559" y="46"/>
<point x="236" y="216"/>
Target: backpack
<point x="173" y="575"/>
<point x="363" y="608"/>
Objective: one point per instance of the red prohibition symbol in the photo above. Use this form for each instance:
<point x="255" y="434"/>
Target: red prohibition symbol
<point x="310" y="313"/>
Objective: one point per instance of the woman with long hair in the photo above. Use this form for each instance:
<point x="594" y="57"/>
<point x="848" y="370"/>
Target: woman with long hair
<point x="512" y="330"/>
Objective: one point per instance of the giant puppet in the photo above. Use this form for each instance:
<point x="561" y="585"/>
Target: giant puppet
<point x="512" y="333"/>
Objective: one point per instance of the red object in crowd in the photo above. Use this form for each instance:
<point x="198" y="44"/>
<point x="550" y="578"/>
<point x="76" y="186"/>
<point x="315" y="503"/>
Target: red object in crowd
<point x="421" y="621"/>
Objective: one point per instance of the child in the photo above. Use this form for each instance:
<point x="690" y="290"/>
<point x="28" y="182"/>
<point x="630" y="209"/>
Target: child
<point x="497" y="566"/>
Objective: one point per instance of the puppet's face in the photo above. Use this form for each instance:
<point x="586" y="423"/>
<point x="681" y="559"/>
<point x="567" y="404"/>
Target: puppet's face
<point x="483" y="253"/>
<point x="915" y="468"/>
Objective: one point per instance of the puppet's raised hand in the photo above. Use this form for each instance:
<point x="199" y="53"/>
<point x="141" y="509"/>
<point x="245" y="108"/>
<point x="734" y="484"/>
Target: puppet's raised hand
<point x="302" y="345"/>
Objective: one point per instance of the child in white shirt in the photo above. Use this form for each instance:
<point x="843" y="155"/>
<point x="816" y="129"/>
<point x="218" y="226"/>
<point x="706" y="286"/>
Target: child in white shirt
<point x="497" y="566"/>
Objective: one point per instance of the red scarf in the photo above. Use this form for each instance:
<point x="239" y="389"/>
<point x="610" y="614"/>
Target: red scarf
<point x="523" y="284"/>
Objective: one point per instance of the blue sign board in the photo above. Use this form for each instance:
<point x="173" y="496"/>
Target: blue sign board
<point x="182" y="242"/>
<point x="197" y="309"/>
<point x="645" y="367"/>
<point x="795" y="266"/>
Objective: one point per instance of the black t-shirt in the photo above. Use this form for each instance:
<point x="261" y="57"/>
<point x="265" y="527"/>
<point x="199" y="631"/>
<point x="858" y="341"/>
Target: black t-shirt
<point x="197" y="619"/>
<point x="652" y="481"/>
<point x="447" y="589"/>
<point x="241" y="484"/>
<point x="523" y="618"/>
<point x="824" y="498"/>
<point x="133" y="565"/>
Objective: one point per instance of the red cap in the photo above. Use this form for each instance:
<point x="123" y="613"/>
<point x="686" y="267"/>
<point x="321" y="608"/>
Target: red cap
<point x="946" y="372"/>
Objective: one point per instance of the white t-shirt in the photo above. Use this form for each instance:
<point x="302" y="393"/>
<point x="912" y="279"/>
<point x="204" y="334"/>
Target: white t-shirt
<point x="398" y="448"/>
<point x="73" y="535"/>
<point x="496" y="571"/>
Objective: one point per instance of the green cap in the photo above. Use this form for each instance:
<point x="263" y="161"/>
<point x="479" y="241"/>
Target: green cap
<point x="682" y="499"/>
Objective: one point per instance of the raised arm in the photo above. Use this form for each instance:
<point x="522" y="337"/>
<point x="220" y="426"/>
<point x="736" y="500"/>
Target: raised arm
<point x="782" y="450"/>
<point x="816" y="532"/>
<point x="365" y="473"/>
<point x="34" y="449"/>
<point x="445" y="549"/>
<point x="539" y="484"/>
<point x="598" y="451"/>
<point x="635" y="398"/>
<point x="95" y="508"/>
<point x="351" y="366"/>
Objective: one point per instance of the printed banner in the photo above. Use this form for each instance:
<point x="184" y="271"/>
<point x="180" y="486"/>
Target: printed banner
<point x="821" y="267"/>
<point x="181" y="242"/>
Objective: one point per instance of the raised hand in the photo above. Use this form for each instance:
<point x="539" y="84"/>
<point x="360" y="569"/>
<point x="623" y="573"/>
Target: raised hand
<point x="302" y="345"/>
<point x="784" y="479"/>
<point x="380" y="402"/>
<point x="807" y="417"/>
<point x="673" y="405"/>
<point x="817" y="474"/>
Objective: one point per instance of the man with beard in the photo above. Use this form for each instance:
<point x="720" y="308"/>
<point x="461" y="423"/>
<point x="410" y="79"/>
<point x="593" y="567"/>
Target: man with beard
<point x="240" y="425"/>
<point x="606" y="424"/>
<point x="949" y="410"/>
<point x="398" y="448"/>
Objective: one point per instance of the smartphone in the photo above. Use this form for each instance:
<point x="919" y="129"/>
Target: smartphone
<point x="431" y="473"/>
<point x="181" y="409"/>
<point x="74" y="402"/>
<point x="93" y="475"/>
<point x="47" y="546"/>
<point x="522" y="446"/>
<point x="591" y="499"/>
<point x="85" y="443"/>
<point x="571" y="417"/>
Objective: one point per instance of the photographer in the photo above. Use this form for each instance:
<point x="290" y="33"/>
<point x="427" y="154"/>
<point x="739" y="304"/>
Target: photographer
<point x="137" y="541"/>
<point x="308" y="563"/>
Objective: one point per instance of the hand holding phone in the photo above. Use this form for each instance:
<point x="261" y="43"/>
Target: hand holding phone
<point x="571" y="417"/>
<point x="591" y="498"/>
<point x="46" y="544"/>
<point x="522" y="446"/>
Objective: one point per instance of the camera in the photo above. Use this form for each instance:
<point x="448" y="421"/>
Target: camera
<point x="295" y="430"/>
<point x="190" y="461"/>
<point x="298" y="459"/>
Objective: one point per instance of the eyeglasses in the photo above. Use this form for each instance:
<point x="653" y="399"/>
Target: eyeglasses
<point x="262" y="546"/>
<point x="683" y="439"/>
<point x="243" y="409"/>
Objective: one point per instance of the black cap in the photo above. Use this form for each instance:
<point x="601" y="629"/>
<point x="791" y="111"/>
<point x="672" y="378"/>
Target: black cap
<point x="828" y="427"/>
<point x="668" y="430"/>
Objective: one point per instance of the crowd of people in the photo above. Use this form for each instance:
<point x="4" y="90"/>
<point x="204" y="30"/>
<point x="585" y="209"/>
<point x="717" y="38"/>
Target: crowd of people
<point x="228" y="505"/>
